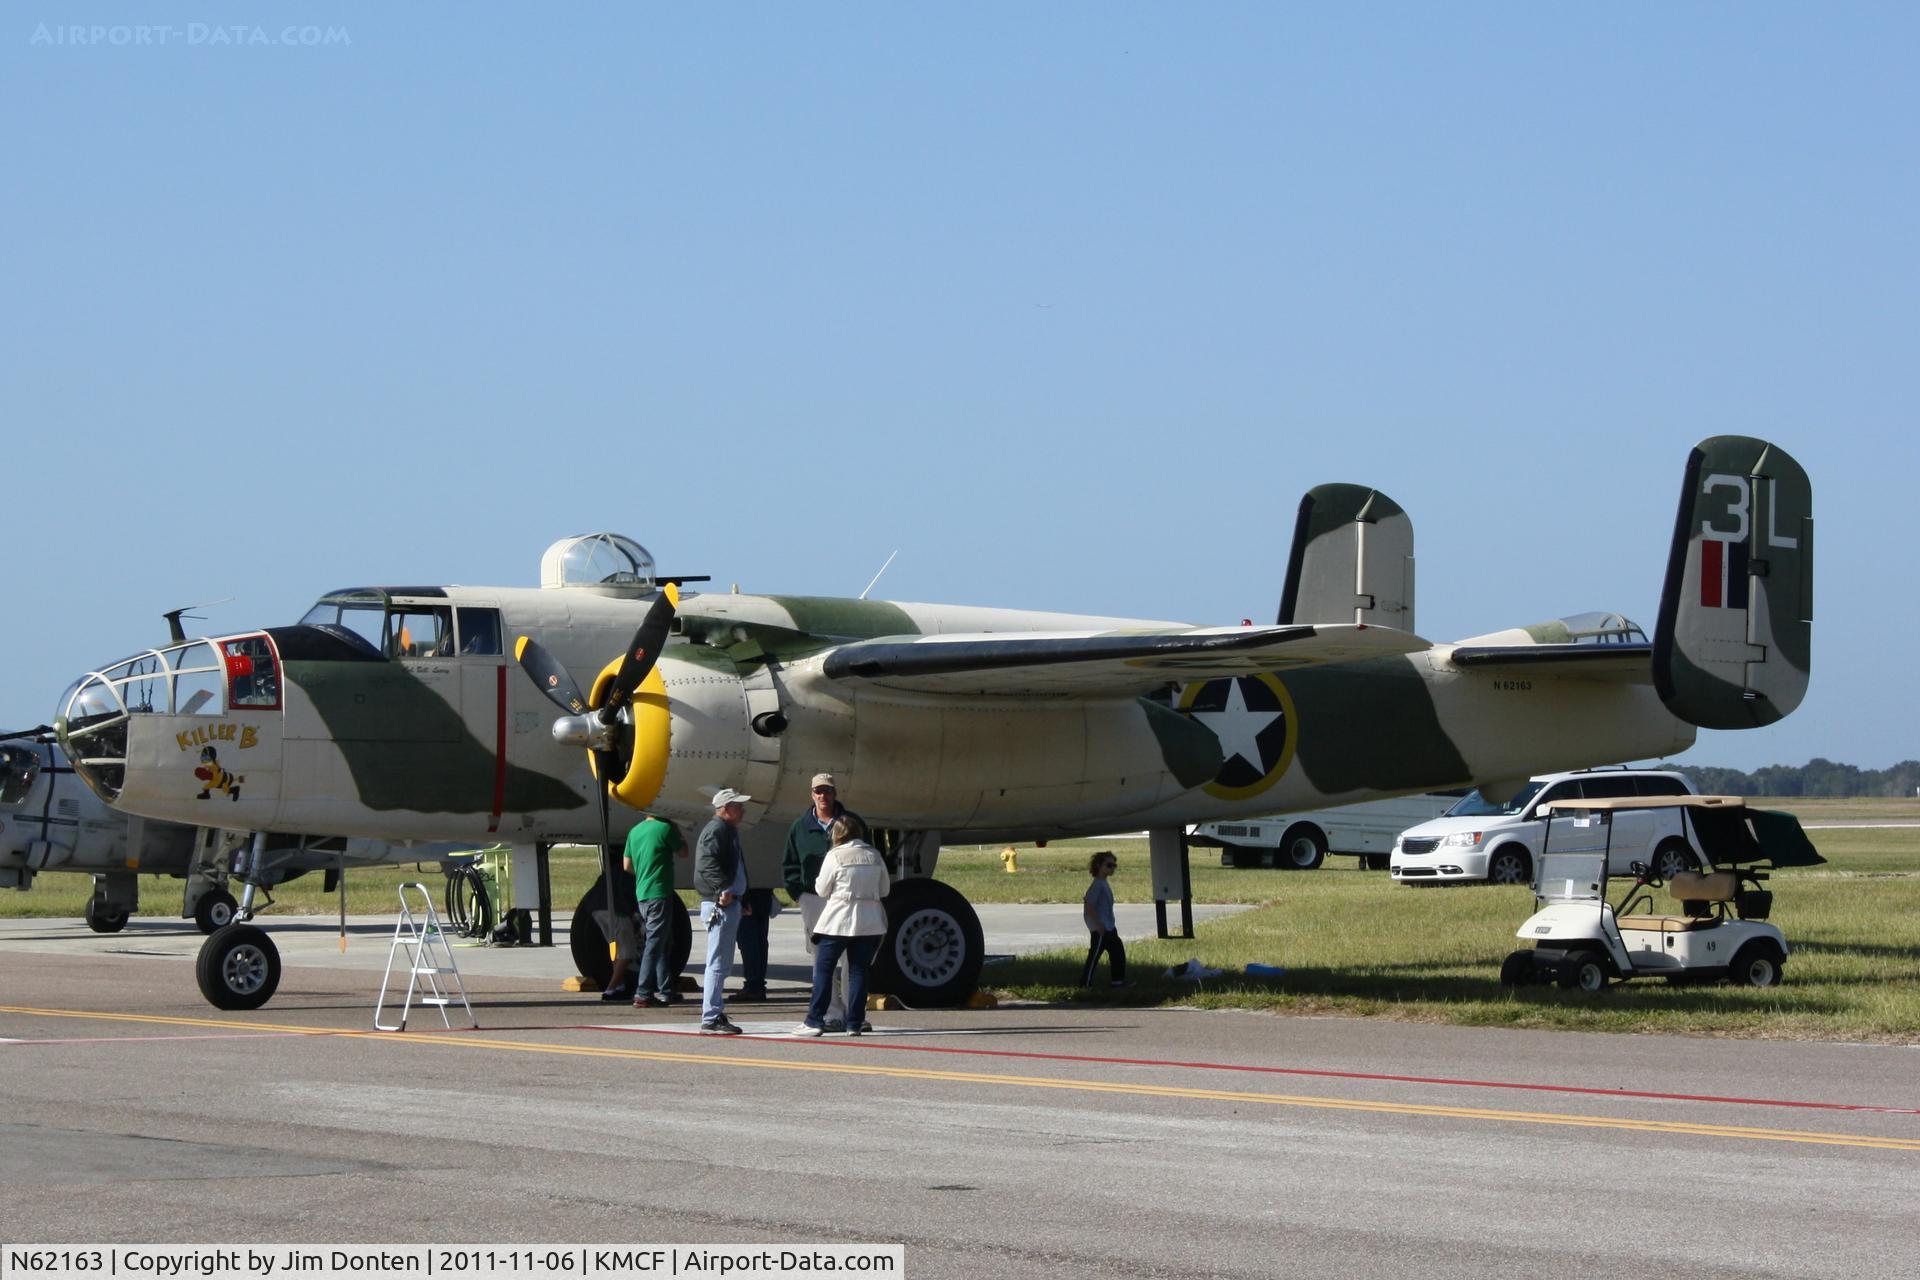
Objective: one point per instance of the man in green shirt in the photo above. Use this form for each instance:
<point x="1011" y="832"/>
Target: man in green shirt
<point x="650" y="849"/>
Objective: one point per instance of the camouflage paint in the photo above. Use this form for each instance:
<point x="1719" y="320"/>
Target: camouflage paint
<point x="1192" y="754"/>
<point x="1371" y="726"/>
<point x="407" y="747"/>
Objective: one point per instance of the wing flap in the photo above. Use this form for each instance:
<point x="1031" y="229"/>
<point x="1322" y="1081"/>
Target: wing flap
<point x="1093" y="664"/>
<point x="1616" y="663"/>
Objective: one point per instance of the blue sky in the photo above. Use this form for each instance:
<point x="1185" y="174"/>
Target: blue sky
<point x="1068" y="303"/>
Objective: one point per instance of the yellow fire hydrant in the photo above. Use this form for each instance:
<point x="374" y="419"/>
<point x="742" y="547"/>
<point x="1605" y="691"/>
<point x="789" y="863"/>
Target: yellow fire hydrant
<point x="1010" y="859"/>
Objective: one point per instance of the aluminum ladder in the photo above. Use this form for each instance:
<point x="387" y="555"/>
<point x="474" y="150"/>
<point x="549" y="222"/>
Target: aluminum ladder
<point x="429" y="959"/>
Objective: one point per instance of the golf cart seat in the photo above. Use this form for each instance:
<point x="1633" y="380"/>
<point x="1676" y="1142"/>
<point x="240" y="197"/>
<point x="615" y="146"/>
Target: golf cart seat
<point x="1697" y="889"/>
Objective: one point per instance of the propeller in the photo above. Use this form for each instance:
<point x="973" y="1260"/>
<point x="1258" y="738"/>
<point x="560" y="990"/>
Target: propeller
<point x="40" y="731"/>
<point x="592" y="727"/>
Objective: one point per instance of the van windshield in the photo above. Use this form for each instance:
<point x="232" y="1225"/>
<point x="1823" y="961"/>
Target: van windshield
<point x="1475" y="805"/>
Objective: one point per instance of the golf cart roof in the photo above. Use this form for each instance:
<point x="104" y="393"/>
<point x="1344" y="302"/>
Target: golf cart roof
<point x="1645" y="802"/>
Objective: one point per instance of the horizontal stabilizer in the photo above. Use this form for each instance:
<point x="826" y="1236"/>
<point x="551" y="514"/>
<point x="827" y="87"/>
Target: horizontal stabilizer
<point x="1733" y="645"/>
<point x="1094" y="664"/>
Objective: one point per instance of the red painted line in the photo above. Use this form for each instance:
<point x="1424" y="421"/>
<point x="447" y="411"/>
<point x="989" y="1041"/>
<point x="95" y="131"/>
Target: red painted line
<point x="867" y="1043"/>
<point x="499" y="749"/>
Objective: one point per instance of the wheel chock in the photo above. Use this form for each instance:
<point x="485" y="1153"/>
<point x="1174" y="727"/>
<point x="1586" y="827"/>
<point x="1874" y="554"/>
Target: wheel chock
<point x="983" y="1000"/>
<point x="578" y="983"/>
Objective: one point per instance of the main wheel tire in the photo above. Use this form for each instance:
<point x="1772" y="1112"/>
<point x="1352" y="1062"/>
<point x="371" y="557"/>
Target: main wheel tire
<point x="239" y="967"/>
<point x="1671" y="858"/>
<point x="1757" y="964"/>
<point x="1517" y="969"/>
<point x="1303" y="848"/>
<point x="1509" y="864"/>
<point x="1583" y="971"/>
<point x="588" y="941"/>
<point x="214" y="911"/>
<point x="933" y="949"/>
<point x="102" y="918"/>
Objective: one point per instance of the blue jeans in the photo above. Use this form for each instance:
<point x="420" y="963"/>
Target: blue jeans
<point x="723" y="926"/>
<point x="753" y="940"/>
<point x="656" y="964"/>
<point x="827" y="950"/>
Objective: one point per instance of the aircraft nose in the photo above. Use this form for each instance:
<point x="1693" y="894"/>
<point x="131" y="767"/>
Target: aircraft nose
<point x="95" y="714"/>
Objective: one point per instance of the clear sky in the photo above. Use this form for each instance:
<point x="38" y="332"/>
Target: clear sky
<point x="1068" y="303"/>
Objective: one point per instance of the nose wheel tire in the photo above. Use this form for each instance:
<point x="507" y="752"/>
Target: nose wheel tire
<point x="214" y="911"/>
<point x="933" y="949"/>
<point x="239" y="967"/>
<point x="102" y="918"/>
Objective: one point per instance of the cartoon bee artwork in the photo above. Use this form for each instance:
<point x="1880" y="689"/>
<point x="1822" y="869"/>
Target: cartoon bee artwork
<point x="215" y="777"/>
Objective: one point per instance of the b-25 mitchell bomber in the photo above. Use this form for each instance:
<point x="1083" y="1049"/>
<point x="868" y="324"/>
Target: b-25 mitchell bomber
<point x="391" y="712"/>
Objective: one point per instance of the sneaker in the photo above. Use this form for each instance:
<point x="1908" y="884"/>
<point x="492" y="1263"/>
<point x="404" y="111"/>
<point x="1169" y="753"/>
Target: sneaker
<point x="860" y="1030"/>
<point x="617" y="993"/>
<point x="649" y="1002"/>
<point x="807" y="1029"/>
<point x="719" y="1027"/>
<point x="674" y="997"/>
<point x="835" y="1025"/>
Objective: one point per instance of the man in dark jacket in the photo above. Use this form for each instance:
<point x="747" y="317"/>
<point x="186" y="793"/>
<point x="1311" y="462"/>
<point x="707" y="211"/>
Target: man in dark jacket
<point x="808" y="840"/>
<point x="720" y="877"/>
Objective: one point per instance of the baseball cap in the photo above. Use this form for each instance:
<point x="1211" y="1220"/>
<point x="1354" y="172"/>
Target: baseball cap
<point x="727" y="795"/>
<point x="825" y="780"/>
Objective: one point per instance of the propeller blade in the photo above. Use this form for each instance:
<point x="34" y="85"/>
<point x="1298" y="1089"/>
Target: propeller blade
<point x="643" y="652"/>
<point x="547" y="672"/>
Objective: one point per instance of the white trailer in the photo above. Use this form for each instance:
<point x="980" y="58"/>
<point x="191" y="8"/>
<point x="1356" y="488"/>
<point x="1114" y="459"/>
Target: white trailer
<point x="1302" y="841"/>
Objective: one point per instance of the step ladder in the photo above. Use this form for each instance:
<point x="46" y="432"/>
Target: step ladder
<point x="429" y="960"/>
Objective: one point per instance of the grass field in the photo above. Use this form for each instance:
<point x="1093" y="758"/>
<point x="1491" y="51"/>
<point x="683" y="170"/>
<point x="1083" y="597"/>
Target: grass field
<point x="1356" y="944"/>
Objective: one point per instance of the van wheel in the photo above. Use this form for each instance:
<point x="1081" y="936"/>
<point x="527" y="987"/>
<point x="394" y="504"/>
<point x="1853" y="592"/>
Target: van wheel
<point x="1303" y="848"/>
<point x="1583" y="971"/>
<point x="1671" y="858"/>
<point x="1756" y="965"/>
<point x="1509" y="864"/>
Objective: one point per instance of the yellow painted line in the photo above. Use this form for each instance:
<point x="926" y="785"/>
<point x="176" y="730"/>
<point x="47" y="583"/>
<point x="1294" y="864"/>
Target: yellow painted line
<point x="473" y="1041"/>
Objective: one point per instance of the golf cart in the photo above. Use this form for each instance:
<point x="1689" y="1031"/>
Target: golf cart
<point x="1581" y="942"/>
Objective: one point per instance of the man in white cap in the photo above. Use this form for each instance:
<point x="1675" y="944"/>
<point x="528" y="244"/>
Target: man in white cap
<point x="720" y="876"/>
<point x="808" y="840"/>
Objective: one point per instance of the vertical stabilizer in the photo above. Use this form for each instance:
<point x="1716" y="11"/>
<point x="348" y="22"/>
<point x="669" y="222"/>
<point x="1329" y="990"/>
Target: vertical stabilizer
<point x="1733" y="646"/>
<point x="1352" y="560"/>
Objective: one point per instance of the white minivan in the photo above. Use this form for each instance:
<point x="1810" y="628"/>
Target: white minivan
<point x="1481" y="839"/>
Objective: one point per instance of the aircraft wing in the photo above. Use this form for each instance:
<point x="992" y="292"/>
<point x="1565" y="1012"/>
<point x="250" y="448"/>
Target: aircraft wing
<point x="1095" y="664"/>
<point x="1630" y="663"/>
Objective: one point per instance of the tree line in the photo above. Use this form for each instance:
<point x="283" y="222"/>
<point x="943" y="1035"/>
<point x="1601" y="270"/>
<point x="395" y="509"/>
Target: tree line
<point x="1817" y="777"/>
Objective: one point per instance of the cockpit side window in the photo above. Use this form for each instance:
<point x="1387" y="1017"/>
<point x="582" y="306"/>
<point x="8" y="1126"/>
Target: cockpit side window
<point x="18" y="768"/>
<point x="420" y="631"/>
<point x="479" y="631"/>
<point x="253" y="674"/>
<point x="364" y="614"/>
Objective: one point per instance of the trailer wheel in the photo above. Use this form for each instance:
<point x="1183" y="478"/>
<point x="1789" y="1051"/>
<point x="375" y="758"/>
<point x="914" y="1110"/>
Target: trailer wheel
<point x="1756" y="965"/>
<point x="214" y="911"/>
<point x="1583" y="971"/>
<point x="102" y="918"/>
<point x="239" y="968"/>
<point x="1303" y="848"/>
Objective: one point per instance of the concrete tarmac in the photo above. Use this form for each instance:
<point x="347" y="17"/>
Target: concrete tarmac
<point x="1042" y="1142"/>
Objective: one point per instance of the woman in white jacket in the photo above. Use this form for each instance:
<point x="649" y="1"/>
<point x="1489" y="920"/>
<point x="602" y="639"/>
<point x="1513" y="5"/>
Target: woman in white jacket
<point x="853" y="879"/>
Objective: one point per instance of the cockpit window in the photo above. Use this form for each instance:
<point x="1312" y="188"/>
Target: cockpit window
<point x="420" y="631"/>
<point x="19" y="766"/>
<point x="253" y="674"/>
<point x="362" y="613"/>
<point x="479" y="631"/>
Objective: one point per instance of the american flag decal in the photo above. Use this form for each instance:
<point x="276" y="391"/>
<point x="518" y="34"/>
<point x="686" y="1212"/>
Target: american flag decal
<point x="1723" y="574"/>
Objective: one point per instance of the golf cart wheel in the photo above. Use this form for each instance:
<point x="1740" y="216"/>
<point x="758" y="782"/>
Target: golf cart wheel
<point x="1303" y="848"/>
<point x="1517" y="969"/>
<point x="1756" y="965"/>
<point x="214" y="911"/>
<point x="1583" y="971"/>
<point x="102" y="918"/>
<point x="1509" y="864"/>
<point x="239" y="968"/>
<point x="1671" y="858"/>
<point x="933" y="949"/>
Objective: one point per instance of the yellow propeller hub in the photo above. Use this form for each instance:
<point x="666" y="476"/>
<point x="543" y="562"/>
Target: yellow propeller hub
<point x="652" y="724"/>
